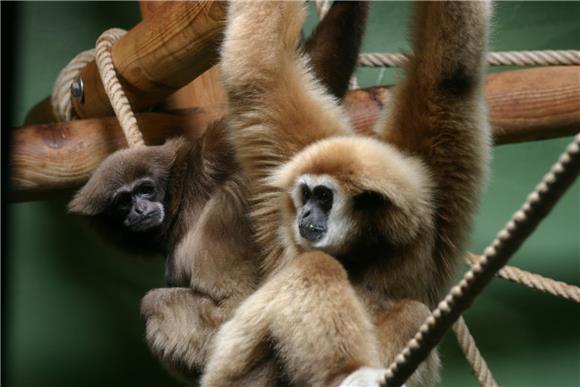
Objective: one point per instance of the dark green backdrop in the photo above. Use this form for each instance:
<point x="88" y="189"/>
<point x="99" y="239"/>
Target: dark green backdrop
<point x="72" y="304"/>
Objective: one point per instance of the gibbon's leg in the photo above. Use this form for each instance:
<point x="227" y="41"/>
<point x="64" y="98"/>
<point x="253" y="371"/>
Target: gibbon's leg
<point x="334" y="45"/>
<point x="310" y="316"/>
<point x="395" y="327"/>
<point x="439" y="114"/>
<point x="241" y="344"/>
<point x="276" y="105"/>
<point x="180" y="325"/>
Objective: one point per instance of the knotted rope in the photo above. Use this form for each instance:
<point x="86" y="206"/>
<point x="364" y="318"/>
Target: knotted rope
<point x="521" y="225"/>
<point x="61" y="94"/>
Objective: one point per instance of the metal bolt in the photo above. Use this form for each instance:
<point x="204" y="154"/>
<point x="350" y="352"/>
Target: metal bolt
<point x="77" y="89"/>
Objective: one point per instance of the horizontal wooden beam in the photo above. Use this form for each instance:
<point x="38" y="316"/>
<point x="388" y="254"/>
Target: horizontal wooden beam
<point x="49" y="158"/>
<point x="524" y="105"/>
<point x="55" y="157"/>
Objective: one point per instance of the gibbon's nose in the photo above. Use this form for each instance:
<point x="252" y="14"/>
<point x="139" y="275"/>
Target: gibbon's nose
<point x="312" y="224"/>
<point x="139" y="208"/>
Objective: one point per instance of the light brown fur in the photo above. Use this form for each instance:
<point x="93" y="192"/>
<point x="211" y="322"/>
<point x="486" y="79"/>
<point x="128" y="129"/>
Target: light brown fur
<point x="211" y="260"/>
<point x="429" y="162"/>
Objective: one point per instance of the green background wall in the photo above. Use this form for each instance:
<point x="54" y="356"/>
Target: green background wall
<point x="71" y="313"/>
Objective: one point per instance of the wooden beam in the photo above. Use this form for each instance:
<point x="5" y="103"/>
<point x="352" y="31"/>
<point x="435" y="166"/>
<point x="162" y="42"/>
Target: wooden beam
<point x="204" y="91"/>
<point x="524" y="105"/>
<point x="49" y="158"/>
<point x="59" y="156"/>
<point x="156" y="57"/>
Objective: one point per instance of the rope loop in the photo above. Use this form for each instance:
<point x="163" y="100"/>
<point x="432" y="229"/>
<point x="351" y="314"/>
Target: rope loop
<point x="60" y="97"/>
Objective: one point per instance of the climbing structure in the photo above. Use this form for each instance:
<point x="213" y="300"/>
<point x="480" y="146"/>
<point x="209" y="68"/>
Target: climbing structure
<point x="130" y="62"/>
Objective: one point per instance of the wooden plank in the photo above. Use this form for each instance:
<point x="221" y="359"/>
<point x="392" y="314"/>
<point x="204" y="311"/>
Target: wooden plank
<point x="158" y="56"/>
<point x="525" y="105"/>
<point x="204" y="91"/>
<point x="53" y="157"/>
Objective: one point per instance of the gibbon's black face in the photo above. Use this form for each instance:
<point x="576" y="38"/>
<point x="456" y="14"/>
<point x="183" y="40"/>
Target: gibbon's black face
<point x="316" y="207"/>
<point x="323" y="214"/>
<point x="139" y="205"/>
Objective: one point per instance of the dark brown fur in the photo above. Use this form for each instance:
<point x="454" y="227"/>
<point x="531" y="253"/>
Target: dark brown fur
<point x="211" y="261"/>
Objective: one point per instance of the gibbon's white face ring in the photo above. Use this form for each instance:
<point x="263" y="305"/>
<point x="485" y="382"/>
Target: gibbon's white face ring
<point x="339" y="225"/>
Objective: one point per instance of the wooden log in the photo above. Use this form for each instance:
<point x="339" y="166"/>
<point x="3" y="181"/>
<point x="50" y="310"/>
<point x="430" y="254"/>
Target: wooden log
<point x="49" y="158"/>
<point x="204" y="91"/>
<point x="524" y="105"/>
<point x="158" y="56"/>
<point x="41" y="113"/>
<point x="534" y="104"/>
<point x="59" y="156"/>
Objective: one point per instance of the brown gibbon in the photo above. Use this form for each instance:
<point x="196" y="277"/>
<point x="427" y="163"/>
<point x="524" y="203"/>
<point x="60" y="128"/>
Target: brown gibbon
<point x="188" y="200"/>
<point x="357" y="235"/>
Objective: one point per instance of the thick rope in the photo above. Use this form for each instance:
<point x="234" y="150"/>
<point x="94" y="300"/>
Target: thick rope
<point x="537" y="206"/>
<point x="467" y="344"/>
<point x="535" y="281"/>
<point x="61" y="92"/>
<point x="60" y="97"/>
<point x="500" y="58"/>
<point x="113" y="87"/>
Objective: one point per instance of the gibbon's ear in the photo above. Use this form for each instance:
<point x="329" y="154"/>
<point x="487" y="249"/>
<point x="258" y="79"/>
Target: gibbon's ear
<point x="122" y="168"/>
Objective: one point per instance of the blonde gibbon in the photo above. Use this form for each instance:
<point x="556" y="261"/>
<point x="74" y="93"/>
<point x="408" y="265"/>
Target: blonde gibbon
<point x="187" y="200"/>
<point x="358" y="235"/>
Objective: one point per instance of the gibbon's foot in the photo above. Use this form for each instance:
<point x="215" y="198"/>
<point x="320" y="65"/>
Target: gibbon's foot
<point x="365" y="377"/>
<point x="179" y="327"/>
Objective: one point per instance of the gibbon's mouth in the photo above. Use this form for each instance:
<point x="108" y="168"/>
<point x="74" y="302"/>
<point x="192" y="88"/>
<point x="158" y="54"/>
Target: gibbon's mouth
<point x="312" y="232"/>
<point x="147" y="222"/>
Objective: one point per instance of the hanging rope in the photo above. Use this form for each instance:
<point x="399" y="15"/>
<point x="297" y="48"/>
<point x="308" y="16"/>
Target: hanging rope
<point x="522" y="224"/>
<point x="61" y="93"/>
<point x="113" y="87"/>
<point x="500" y="58"/>
<point x="467" y="344"/>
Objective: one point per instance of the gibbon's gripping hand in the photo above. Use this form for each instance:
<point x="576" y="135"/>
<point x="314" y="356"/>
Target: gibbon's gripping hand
<point x="179" y="328"/>
<point x="310" y="315"/>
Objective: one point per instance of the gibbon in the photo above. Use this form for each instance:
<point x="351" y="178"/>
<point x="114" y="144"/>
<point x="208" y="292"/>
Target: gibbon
<point x="188" y="200"/>
<point x="357" y="234"/>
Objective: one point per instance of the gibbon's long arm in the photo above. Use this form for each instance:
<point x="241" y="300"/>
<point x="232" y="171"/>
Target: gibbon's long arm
<point x="306" y="330"/>
<point x="334" y="45"/>
<point x="439" y="114"/>
<point x="276" y="105"/>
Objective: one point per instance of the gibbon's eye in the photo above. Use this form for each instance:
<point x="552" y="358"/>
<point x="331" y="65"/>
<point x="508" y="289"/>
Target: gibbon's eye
<point x="123" y="200"/>
<point x="145" y="189"/>
<point x="306" y="193"/>
<point x="369" y="200"/>
<point x="323" y="196"/>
